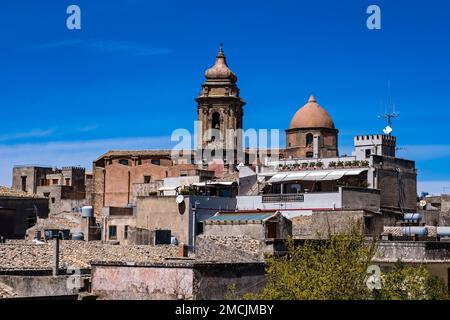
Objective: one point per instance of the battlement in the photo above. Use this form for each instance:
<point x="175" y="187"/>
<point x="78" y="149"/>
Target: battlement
<point x="375" y="139"/>
<point x="75" y="168"/>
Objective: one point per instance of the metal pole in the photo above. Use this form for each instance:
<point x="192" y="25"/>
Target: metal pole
<point x="55" y="256"/>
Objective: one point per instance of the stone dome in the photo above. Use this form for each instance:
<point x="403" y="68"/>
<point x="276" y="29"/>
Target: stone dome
<point x="220" y="70"/>
<point x="311" y="115"/>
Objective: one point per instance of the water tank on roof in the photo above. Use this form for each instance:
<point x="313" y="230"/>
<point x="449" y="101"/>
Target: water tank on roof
<point x="415" y="231"/>
<point x="412" y="217"/>
<point x="78" y="236"/>
<point x="443" y="231"/>
<point x="87" y="211"/>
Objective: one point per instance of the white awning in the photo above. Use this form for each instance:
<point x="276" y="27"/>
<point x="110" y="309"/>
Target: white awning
<point x="168" y="188"/>
<point x="277" y="178"/>
<point x="213" y="183"/>
<point x="317" y="175"/>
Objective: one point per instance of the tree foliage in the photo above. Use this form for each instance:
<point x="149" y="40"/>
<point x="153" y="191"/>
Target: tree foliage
<point x="411" y="283"/>
<point x="321" y="270"/>
<point x="336" y="269"/>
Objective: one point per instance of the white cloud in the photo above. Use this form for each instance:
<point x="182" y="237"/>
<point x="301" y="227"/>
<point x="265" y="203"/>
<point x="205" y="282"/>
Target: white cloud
<point x="35" y="133"/>
<point x="424" y="152"/>
<point x="433" y="187"/>
<point x="74" y="153"/>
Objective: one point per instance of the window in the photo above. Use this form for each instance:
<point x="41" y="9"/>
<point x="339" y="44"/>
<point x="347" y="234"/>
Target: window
<point x="112" y="232"/>
<point x="67" y="181"/>
<point x="215" y="124"/>
<point x="183" y="173"/>
<point x="368" y="153"/>
<point x="156" y="162"/>
<point x="55" y="181"/>
<point x="309" y="139"/>
<point x="124" y="162"/>
<point x="199" y="229"/>
<point x="24" y="184"/>
<point x="147" y="179"/>
<point x="125" y="232"/>
<point x="53" y="200"/>
<point x="31" y="221"/>
<point x="46" y="194"/>
<point x="309" y="154"/>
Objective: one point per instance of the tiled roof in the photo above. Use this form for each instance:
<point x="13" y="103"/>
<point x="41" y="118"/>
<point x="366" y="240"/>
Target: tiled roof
<point x="119" y="153"/>
<point x="8" y="192"/>
<point x="23" y="254"/>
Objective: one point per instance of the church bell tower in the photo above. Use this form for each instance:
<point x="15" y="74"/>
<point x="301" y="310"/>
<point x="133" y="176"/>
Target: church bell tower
<point x="220" y="114"/>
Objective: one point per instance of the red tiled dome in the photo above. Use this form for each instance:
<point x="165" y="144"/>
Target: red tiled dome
<point x="311" y="115"/>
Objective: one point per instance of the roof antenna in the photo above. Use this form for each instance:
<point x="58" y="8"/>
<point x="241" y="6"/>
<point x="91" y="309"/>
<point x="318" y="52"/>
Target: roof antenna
<point x="389" y="113"/>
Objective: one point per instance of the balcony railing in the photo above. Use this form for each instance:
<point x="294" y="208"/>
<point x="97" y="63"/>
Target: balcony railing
<point x="283" y="198"/>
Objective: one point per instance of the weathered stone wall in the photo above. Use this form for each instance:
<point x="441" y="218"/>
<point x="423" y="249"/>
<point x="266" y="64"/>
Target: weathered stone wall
<point x="138" y="283"/>
<point x="360" y="198"/>
<point x="16" y="215"/>
<point x="321" y="223"/>
<point x="413" y="250"/>
<point x="184" y="279"/>
<point x="98" y="189"/>
<point x="42" y="286"/>
<point x="212" y="282"/>
<point x="397" y="182"/>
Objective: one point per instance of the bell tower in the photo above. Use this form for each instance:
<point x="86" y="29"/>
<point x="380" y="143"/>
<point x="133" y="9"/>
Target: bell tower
<point x="220" y="112"/>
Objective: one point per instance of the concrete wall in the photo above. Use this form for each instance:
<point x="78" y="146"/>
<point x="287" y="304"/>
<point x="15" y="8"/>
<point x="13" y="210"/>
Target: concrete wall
<point x="41" y="286"/>
<point x="360" y="198"/>
<point x="137" y="283"/>
<point x="312" y="201"/>
<point x="187" y="280"/>
<point x="164" y="213"/>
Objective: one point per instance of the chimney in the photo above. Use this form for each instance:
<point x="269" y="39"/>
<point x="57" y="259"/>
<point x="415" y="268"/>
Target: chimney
<point x="55" y="256"/>
<point x="316" y="146"/>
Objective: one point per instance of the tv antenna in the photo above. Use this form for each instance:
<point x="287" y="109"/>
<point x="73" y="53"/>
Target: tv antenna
<point x="389" y="113"/>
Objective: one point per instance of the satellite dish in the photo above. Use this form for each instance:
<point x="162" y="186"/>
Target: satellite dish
<point x="422" y="203"/>
<point x="179" y="199"/>
<point x="387" y="130"/>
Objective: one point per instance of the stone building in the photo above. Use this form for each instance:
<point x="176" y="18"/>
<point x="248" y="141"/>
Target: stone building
<point x="259" y="225"/>
<point x="64" y="188"/>
<point x="220" y="116"/>
<point x="122" y="176"/>
<point x="19" y="211"/>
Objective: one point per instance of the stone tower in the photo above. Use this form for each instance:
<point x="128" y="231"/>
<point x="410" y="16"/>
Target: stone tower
<point x="220" y="114"/>
<point x="311" y="133"/>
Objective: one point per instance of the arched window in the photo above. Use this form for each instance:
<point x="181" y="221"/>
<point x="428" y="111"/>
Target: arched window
<point x="216" y="120"/>
<point x="309" y="139"/>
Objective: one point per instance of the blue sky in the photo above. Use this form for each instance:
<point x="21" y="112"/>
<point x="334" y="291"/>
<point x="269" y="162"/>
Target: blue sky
<point x="129" y="77"/>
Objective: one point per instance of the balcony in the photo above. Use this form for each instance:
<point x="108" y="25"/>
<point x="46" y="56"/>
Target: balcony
<point x="274" y="198"/>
